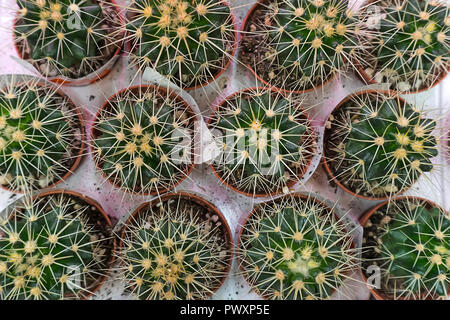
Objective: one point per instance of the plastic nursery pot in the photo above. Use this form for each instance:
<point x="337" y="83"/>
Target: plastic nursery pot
<point x="105" y="222"/>
<point x="245" y="30"/>
<point x="327" y="165"/>
<point x="378" y="293"/>
<point x="90" y="78"/>
<point x="106" y="107"/>
<point x="79" y="155"/>
<point x="300" y="196"/>
<point x="291" y="183"/>
<point x="365" y="77"/>
<point x="215" y="76"/>
<point x="199" y="201"/>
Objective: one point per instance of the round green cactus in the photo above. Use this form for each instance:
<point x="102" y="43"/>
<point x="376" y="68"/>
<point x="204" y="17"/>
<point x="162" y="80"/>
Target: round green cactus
<point x="378" y="145"/>
<point x="190" y="42"/>
<point x="67" y="37"/>
<point x="266" y="139"/>
<point x="294" y="248"/>
<point x="408" y="239"/>
<point x="143" y="139"/>
<point x="175" y="248"/>
<point x="40" y="135"/>
<point x="411" y="48"/>
<point x="51" y="248"/>
<point x="300" y="44"/>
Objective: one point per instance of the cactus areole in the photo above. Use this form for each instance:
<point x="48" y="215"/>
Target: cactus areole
<point x="377" y="145"/>
<point x="408" y="240"/>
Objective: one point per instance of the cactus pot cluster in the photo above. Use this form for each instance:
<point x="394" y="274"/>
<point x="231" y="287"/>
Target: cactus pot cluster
<point x="189" y="42"/>
<point x="266" y="139"/>
<point x="376" y="145"/>
<point x="410" y="47"/>
<point x="407" y="241"/>
<point x="71" y="42"/>
<point x="178" y="246"/>
<point x="41" y="135"/>
<point x="299" y="45"/>
<point x="142" y="139"/>
<point x="58" y="245"/>
<point x="295" y="248"/>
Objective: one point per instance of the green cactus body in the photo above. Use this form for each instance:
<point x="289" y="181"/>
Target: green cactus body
<point x="50" y="249"/>
<point x="409" y="240"/>
<point x="266" y="139"/>
<point x="65" y="37"/>
<point x="40" y="136"/>
<point x="412" y="46"/>
<point x="188" y="41"/>
<point x="300" y="44"/>
<point x="378" y="145"/>
<point x="143" y="139"/>
<point x="295" y="248"/>
<point x="173" y="250"/>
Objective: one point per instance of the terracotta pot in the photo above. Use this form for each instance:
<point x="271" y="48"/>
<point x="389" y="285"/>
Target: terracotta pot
<point x="241" y="231"/>
<point x="244" y="30"/>
<point x="377" y="293"/>
<point x="83" y="136"/>
<point x="225" y="68"/>
<point x="198" y="200"/>
<point x="101" y="279"/>
<point x="290" y="184"/>
<point x="365" y="77"/>
<point x="91" y="77"/>
<point x="324" y="158"/>
<point x="94" y="135"/>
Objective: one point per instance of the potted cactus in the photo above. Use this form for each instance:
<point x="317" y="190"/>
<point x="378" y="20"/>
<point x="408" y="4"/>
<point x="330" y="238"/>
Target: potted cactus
<point x="41" y="135"/>
<point x="57" y="246"/>
<point x="299" y="45"/>
<point x="295" y="248"/>
<point x="178" y="246"/>
<point x="407" y="240"/>
<point x="376" y="145"/>
<point x="410" y="49"/>
<point x="190" y="42"/>
<point x="74" y="42"/>
<point x="142" y="139"/>
<point x="266" y="139"/>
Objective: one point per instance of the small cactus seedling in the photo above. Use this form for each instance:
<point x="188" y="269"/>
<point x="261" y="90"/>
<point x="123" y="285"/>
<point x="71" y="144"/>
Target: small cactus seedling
<point x="266" y="139"/>
<point x="408" y="239"/>
<point x="297" y="45"/>
<point x="41" y="136"/>
<point x="411" y="49"/>
<point x="70" y="38"/>
<point x="294" y="248"/>
<point x="56" y="246"/>
<point x="190" y="42"/>
<point x="176" y="247"/>
<point x="142" y="139"/>
<point x="377" y="145"/>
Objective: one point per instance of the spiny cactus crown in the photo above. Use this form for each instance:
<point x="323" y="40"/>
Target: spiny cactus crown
<point x="266" y="138"/>
<point x="411" y="48"/>
<point x="379" y="145"/>
<point x="174" y="251"/>
<point x="295" y="248"/>
<point x="64" y="37"/>
<point x="39" y="136"/>
<point x="300" y="44"/>
<point x="188" y="41"/>
<point x="48" y="250"/>
<point x="410" y="242"/>
<point x="140" y="139"/>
